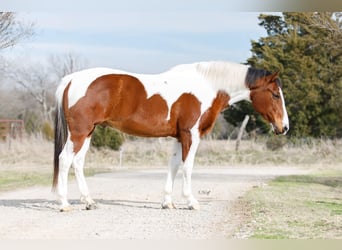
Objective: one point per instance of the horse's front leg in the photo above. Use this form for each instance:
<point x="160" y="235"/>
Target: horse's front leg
<point x="175" y="161"/>
<point x="189" y="149"/>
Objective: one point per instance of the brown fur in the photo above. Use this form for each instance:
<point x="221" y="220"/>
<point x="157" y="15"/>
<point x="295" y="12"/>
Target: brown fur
<point x="266" y="100"/>
<point x="209" y="117"/>
<point x="109" y="101"/>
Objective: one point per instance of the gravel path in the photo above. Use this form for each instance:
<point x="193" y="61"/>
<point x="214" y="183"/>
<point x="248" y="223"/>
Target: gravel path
<point x="129" y="206"/>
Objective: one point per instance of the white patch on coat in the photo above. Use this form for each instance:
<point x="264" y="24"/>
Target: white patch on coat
<point x="286" y="122"/>
<point x="203" y="80"/>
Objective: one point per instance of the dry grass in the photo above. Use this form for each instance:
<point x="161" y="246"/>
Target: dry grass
<point x="295" y="207"/>
<point x="37" y="153"/>
<point x="33" y="156"/>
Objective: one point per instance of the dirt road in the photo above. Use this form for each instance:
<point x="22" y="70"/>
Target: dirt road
<point x="129" y="206"/>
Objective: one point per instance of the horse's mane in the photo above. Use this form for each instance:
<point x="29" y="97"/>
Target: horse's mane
<point x="254" y="74"/>
<point x="226" y="75"/>
<point x="222" y="73"/>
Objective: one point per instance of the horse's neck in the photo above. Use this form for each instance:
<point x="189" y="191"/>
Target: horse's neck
<point x="229" y="77"/>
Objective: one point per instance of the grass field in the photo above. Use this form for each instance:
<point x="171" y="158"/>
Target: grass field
<point x="296" y="207"/>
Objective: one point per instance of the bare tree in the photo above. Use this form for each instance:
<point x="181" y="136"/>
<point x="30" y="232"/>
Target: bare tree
<point x="12" y="30"/>
<point x="63" y="65"/>
<point x="36" y="82"/>
<point x="39" y="81"/>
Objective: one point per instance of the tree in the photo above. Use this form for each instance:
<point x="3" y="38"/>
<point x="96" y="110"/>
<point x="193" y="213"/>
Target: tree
<point x="62" y="65"/>
<point x="12" y="31"/>
<point x="306" y="48"/>
<point x="38" y="82"/>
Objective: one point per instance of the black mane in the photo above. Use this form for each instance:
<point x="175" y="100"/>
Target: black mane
<point x="254" y="74"/>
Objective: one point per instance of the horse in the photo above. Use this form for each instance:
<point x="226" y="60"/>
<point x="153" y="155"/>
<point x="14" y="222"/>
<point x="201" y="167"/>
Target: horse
<point x="183" y="102"/>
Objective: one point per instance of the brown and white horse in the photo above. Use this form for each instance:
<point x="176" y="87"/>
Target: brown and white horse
<point x="183" y="103"/>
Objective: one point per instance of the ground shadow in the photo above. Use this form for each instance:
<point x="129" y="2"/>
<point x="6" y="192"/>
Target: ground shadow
<point x="45" y="204"/>
<point x="130" y="203"/>
<point x="48" y="205"/>
<point x="34" y="204"/>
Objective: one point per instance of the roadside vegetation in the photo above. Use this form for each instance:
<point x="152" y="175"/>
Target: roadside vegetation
<point x="295" y="207"/>
<point x="34" y="155"/>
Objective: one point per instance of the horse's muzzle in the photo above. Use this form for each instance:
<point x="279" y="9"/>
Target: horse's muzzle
<point x="279" y="131"/>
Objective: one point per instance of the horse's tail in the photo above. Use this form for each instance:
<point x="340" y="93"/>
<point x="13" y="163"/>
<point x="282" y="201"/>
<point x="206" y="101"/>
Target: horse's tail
<point x="60" y="129"/>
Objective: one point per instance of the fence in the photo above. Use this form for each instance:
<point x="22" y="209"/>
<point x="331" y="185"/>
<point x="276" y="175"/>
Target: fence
<point x="11" y="129"/>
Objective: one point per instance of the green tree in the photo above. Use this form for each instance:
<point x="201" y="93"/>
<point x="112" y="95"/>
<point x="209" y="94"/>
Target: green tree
<point x="307" y="49"/>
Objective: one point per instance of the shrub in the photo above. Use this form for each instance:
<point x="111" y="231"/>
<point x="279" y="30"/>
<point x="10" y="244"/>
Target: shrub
<point x="47" y="131"/>
<point x="276" y="142"/>
<point x="107" y="137"/>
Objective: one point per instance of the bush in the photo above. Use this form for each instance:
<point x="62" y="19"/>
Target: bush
<point x="107" y="137"/>
<point x="47" y="131"/>
<point x="276" y="142"/>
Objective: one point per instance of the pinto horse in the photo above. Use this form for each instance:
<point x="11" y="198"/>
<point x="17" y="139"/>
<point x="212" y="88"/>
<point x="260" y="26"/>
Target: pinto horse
<point x="183" y="103"/>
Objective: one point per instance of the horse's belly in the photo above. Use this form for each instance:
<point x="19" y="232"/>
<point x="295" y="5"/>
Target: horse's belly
<point x="145" y="128"/>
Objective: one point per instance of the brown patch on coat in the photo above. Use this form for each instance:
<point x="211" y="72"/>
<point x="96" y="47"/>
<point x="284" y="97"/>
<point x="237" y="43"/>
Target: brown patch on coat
<point x="209" y="117"/>
<point x="185" y="112"/>
<point x="120" y="101"/>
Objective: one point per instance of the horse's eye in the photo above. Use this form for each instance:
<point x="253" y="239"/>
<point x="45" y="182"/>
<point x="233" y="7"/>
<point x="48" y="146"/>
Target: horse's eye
<point x="275" y="96"/>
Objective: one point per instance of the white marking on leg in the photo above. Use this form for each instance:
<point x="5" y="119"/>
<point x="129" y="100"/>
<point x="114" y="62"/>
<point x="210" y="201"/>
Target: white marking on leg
<point x="65" y="161"/>
<point x="187" y="170"/>
<point x="174" y="164"/>
<point x="78" y="164"/>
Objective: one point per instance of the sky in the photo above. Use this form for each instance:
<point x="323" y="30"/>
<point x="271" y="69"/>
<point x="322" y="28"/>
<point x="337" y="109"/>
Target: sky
<point x="146" y="36"/>
<point x="140" y="38"/>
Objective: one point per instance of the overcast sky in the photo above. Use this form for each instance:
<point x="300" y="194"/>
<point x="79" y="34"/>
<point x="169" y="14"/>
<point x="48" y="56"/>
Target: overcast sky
<point x="142" y="38"/>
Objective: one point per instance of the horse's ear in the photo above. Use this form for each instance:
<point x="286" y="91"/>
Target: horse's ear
<point x="273" y="77"/>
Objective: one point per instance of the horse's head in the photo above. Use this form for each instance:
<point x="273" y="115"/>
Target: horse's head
<point x="268" y="100"/>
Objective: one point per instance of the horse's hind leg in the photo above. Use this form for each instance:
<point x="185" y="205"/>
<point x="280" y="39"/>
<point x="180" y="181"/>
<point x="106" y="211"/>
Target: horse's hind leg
<point x="174" y="164"/>
<point x="65" y="161"/>
<point x="78" y="164"/>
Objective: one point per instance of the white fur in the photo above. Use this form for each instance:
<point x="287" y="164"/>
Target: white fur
<point x="286" y="123"/>
<point x="65" y="161"/>
<point x="175" y="162"/>
<point x="227" y="76"/>
<point x="201" y="79"/>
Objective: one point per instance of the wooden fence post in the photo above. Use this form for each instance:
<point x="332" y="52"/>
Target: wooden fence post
<point x="242" y="128"/>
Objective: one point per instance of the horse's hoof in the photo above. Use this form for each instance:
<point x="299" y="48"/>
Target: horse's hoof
<point x="194" y="206"/>
<point x="91" y="206"/>
<point x="65" y="209"/>
<point x="169" y="205"/>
